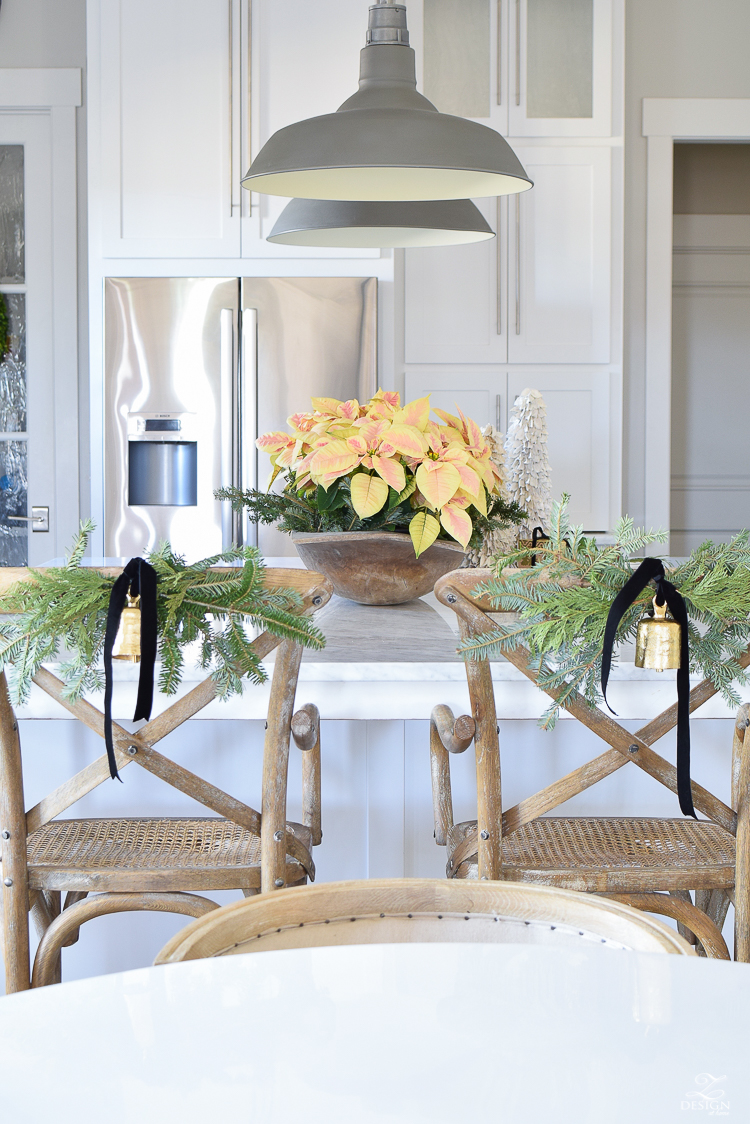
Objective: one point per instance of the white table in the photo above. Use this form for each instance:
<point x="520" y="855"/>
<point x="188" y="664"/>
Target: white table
<point x="386" y="1033"/>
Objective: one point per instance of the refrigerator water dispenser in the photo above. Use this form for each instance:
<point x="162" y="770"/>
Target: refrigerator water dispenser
<point x="163" y="473"/>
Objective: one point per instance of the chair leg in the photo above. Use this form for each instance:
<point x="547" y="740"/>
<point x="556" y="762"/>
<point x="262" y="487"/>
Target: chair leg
<point x="15" y="878"/>
<point x="306" y="734"/>
<point x="276" y="764"/>
<point x="685" y="933"/>
<point x="72" y="898"/>
<point x="718" y="907"/>
<point x="46" y="963"/>
<point x="741" y="801"/>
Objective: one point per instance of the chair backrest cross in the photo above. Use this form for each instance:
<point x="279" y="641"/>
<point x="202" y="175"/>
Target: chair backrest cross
<point x="269" y="825"/>
<point x="455" y="590"/>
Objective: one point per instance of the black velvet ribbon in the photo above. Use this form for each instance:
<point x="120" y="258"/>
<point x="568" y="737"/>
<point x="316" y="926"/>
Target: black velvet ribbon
<point x="537" y="535"/>
<point x="652" y="569"/>
<point x="137" y="579"/>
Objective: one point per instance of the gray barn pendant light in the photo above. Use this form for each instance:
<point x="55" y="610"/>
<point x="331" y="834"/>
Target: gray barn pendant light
<point x="434" y="222"/>
<point x="386" y="142"/>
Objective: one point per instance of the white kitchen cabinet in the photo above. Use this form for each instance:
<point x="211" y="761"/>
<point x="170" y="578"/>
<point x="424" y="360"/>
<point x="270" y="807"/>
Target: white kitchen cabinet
<point x="580" y="409"/>
<point x="303" y="62"/>
<point x="480" y="392"/>
<point x="559" y="258"/>
<point x="170" y="121"/>
<point x="579" y="436"/>
<point x="455" y="299"/>
<point x="535" y="68"/>
<point x="560" y="68"/>
<point x="541" y="294"/>
<point x="188" y="92"/>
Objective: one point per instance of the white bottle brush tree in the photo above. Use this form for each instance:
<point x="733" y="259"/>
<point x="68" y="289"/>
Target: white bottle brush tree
<point x="527" y="462"/>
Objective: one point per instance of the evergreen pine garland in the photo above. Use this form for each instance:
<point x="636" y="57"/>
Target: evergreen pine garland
<point x="563" y="603"/>
<point x="66" y="608"/>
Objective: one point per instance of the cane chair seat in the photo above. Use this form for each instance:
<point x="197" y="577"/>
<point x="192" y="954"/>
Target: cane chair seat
<point x="205" y="853"/>
<point x="605" y="854"/>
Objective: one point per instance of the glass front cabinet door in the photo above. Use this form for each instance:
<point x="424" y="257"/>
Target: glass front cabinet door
<point x="535" y="68"/>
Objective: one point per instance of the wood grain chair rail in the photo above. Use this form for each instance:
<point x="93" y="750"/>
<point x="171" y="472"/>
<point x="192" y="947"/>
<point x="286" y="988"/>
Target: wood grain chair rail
<point x="419" y="909"/>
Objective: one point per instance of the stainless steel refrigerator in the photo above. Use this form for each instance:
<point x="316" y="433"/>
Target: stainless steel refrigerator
<point x="195" y="369"/>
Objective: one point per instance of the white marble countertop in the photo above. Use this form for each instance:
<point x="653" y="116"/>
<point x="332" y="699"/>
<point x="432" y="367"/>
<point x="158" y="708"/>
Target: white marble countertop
<point x="393" y="662"/>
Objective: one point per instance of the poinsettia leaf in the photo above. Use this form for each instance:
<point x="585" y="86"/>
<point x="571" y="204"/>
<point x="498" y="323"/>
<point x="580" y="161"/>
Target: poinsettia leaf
<point x="424" y="529"/>
<point x="391" y="471"/>
<point x="470" y="481"/>
<point x="438" y="481"/>
<point x="457" y="523"/>
<point x="405" y="439"/>
<point x="449" y="419"/>
<point x="333" y="459"/>
<point x="368" y="493"/>
<point x="416" y="413"/>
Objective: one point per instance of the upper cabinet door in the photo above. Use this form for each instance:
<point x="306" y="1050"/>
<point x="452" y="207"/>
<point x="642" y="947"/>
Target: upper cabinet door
<point x="170" y="128"/>
<point x="454" y="300"/>
<point x="560" y="68"/>
<point x="302" y="60"/>
<point x="559" y="253"/>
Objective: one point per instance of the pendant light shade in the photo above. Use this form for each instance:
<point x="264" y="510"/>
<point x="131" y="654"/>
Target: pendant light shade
<point x="324" y="222"/>
<point x="386" y="142"/>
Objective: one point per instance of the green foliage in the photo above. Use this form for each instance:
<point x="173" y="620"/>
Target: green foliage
<point x="67" y="608"/>
<point x="317" y="510"/>
<point x="562" y="605"/>
<point x="4" y="327"/>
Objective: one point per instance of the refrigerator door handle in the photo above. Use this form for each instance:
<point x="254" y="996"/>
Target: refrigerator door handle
<point x="226" y="451"/>
<point x="249" y="414"/>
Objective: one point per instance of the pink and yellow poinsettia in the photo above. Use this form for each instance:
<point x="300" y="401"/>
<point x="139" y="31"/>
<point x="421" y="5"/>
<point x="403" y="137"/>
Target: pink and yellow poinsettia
<point x="382" y="447"/>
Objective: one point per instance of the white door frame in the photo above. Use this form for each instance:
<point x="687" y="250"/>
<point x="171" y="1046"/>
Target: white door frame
<point x="54" y="94"/>
<point x="666" y="120"/>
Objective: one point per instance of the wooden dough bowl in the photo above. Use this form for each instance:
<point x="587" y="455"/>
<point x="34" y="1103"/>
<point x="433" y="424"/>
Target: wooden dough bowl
<point x="377" y="567"/>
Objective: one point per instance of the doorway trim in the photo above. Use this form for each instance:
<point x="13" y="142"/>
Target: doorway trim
<point x="55" y="93"/>
<point x="666" y="120"/>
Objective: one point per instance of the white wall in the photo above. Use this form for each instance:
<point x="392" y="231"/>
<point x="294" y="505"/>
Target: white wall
<point x="52" y="33"/>
<point x="675" y="49"/>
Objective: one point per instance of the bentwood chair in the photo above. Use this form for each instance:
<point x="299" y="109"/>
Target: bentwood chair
<point x="403" y="910"/>
<point x="122" y="864"/>
<point x="651" y="863"/>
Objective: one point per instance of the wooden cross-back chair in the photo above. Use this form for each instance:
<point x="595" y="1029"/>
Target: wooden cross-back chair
<point x="649" y="862"/>
<point x="154" y="863"/>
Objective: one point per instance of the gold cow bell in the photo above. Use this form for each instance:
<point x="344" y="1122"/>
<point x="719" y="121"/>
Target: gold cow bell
<point x="128" y="640"/>
<point x="657" y="644"/>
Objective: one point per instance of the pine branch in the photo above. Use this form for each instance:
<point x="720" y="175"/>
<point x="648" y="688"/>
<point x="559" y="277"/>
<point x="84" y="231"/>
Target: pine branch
<point x="562" y="605"/>
<point x="67" y="607"/>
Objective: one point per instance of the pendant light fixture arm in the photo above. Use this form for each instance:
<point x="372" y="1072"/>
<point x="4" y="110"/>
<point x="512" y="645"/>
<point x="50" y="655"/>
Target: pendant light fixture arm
<point x="387" y="23"/>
